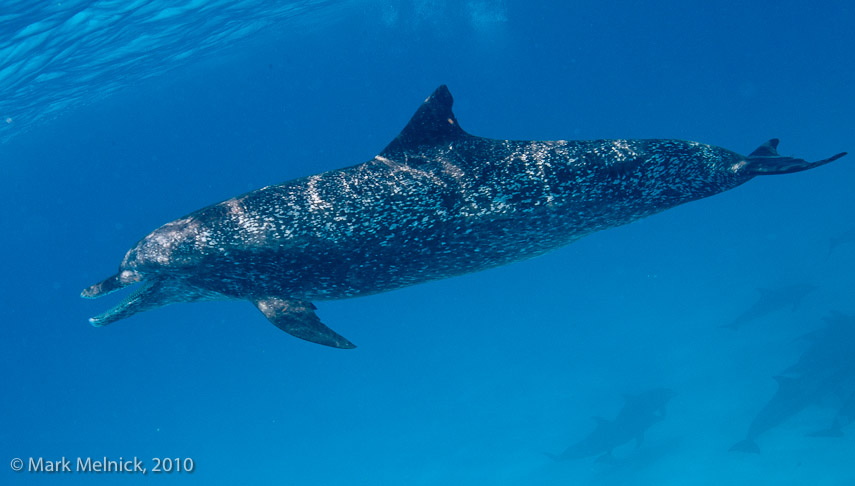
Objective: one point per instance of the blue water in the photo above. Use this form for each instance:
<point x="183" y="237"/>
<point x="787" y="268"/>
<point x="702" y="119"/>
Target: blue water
<point x="117" y="117"/>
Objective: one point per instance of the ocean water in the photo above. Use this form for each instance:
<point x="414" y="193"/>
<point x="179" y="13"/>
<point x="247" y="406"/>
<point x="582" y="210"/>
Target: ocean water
<point x="117" y="117"/>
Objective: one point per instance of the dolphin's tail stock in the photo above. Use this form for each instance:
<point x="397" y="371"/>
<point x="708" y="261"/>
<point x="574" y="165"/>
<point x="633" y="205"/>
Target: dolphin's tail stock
<point x="766" y="161"/>
<point x="746" y="445"/>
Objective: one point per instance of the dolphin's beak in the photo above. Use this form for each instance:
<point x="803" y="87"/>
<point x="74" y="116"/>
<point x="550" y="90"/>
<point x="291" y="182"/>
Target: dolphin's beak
<point x="111" y="284"/>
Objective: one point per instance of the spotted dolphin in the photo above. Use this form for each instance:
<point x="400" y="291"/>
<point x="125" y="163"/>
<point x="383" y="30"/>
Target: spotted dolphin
<point x="845" y="416"/>
<point x="825" y="369"/>
<point x="436" y="202"/>
<point x="770" y="301"/>
<point x="639" y="413"/>
<point x="794" y="395"/>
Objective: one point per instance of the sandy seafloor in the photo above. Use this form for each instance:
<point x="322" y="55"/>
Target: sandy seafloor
<point x="120" y="117"/>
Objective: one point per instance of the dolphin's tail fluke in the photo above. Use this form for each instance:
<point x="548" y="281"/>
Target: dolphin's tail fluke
<point x="766" y="161"/>
<point x="746" y="445"/>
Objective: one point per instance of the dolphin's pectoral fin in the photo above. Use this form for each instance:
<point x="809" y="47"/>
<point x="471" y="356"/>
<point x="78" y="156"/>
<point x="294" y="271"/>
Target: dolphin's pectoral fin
<point x="151" y="295"/>
<point x="766" y="161"/>
<point x="298" y="319"/>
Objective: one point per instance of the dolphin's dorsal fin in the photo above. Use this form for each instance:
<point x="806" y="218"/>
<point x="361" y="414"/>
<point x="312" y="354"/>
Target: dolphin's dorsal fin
<point x="432" y="124"/>
<point x="768" y="149"/>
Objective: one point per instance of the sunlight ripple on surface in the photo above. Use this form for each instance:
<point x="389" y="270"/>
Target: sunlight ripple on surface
<point x="56" y="54"/>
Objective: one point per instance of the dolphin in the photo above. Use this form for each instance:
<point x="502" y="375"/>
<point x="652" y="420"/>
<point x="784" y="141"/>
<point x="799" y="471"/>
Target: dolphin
<point x="772" y="300"/>
<point x="794" y="394"/>
<point x="435" y="203"/>
<point x="639" y="413"/>
<point x="845" y="416"/>
<point x="825" y="368"/>
<point x="830" y="346"/>
<point x="835" y="347"/>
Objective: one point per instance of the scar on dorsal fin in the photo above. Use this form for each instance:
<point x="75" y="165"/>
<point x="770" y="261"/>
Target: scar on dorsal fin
<point x="298" y="319"/>
<point x="432" y="124"/>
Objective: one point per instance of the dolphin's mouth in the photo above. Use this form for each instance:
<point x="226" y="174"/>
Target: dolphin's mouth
<point x="154" y="291"/>
<point x="110" y="285"/>
<point x="122" y="309"/>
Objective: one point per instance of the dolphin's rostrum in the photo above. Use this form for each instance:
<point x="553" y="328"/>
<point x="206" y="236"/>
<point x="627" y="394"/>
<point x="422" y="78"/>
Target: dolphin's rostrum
<point x="437" y="202"/>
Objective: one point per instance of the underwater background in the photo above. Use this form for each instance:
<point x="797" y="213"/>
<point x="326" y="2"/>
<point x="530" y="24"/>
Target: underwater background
<point x="117" y="117"/>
